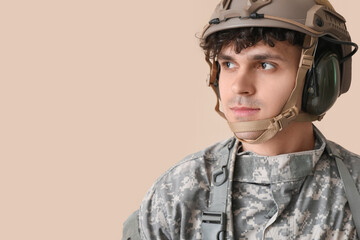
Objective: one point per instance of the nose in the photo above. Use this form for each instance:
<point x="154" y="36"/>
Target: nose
<point x="243" y="83"/>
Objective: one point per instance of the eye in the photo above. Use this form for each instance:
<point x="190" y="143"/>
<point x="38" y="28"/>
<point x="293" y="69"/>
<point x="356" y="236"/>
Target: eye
<point x="228" y="65"/>
<point x="267" y="66"/>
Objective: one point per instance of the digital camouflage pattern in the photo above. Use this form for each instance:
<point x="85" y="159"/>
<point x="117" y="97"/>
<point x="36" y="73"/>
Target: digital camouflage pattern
<point x="290" y="196"/>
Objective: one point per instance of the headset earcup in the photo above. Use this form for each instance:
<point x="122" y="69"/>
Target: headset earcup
<point x="322" y="85"/>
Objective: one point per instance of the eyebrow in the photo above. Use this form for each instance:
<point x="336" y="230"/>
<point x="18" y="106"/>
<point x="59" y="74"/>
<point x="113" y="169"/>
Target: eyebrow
<point x="266" y="56"/>
<point x="225" y="57"/>
<point x="262" y="56"/>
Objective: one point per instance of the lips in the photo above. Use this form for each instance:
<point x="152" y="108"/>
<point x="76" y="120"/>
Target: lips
<point x="244" y="111"/>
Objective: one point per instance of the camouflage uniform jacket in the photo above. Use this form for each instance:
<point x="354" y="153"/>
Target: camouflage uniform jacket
<point x="290" y="196"/>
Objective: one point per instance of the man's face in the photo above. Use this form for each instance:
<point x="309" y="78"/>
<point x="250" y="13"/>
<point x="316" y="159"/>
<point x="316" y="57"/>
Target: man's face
<point x="256" y="83"/>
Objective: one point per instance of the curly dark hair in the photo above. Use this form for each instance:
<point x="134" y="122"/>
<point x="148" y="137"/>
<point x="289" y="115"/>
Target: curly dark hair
<point x="246" y="37"/>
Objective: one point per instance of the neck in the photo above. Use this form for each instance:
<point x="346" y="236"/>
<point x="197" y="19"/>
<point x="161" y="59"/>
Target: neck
<point x="296" y="137"/>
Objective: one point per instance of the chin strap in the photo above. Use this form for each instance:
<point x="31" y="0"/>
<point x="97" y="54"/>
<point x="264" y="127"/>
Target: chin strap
<point x="269" y="126"/>
<point x="290" y="111"/>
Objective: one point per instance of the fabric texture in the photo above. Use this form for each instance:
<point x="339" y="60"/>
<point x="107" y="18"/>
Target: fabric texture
<point x="131" y="227"/>
<point x="290" y="196"/>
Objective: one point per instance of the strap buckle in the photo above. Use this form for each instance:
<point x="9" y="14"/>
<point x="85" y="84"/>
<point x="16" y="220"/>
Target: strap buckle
<point x="220" y="172"/>
<point x="279" y="122"/>
<point x="213" y="225"/>
<point x="307" y="61"/>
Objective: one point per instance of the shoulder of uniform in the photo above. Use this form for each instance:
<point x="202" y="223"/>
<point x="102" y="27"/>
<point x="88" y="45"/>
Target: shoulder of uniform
<point x="351" y="160"/>
<point x="348" y="156"/>
<point x="203" y="159"/>
<point x="210" y="153"/>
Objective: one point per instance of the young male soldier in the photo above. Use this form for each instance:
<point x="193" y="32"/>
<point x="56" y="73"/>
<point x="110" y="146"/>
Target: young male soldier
<point x="276" y="66"/>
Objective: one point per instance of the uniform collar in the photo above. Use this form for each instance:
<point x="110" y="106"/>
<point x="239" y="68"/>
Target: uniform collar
<point x="251" y="167"/>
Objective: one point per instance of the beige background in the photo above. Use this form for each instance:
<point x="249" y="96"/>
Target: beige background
<point x="98" y="98"/>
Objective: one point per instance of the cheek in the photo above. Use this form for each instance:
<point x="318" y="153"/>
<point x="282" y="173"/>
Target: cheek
<point x="224" y="89"/>
<point x="279" y="93"/>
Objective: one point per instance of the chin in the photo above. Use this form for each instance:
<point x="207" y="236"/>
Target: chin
<point x="249" y="135"/>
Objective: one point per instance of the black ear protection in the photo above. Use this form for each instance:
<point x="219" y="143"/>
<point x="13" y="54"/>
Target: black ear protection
<point x="322" y="83"/>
